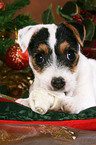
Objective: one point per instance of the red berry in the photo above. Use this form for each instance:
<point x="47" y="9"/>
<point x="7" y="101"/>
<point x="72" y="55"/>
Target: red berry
<point x="15" y="58"/>
<point x="82" y="11"/>
<point x="79" y="20"/>
<point x="87" y="12"/>
<point x="2" y="6"/>
<point x="76" y="16"/>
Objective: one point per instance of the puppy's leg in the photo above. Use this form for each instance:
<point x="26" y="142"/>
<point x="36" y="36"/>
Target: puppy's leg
<point x="77" y="103"/>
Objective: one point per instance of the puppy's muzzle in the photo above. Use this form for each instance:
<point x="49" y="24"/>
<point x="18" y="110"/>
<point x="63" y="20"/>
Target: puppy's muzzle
<point x="58" y="83"/>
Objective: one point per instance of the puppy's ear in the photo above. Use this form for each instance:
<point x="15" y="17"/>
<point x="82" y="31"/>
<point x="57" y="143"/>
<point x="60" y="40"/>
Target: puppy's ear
<point x="25" y="35"/>
<point x="78" y="30"/>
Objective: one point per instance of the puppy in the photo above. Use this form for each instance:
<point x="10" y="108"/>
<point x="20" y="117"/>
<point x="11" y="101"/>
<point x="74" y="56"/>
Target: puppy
<point x="63" y="77"/>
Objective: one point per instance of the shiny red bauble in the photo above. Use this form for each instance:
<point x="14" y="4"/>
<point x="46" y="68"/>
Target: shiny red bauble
<point x="15" y="58"/>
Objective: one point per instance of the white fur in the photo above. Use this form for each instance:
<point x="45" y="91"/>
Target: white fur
<point x="80" y="85"/>
<point x="84" y="94"/>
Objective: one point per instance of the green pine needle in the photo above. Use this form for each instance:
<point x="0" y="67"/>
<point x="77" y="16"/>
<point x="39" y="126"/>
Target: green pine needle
<point x="5" y="44"/>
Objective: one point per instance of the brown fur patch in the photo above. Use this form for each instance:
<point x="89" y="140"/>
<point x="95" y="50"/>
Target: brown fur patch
<point x="36" y="67"/>
<point x="63" y="46"/>
<point x="75" y="63"/>
<point x="75" y="32"/>
<point x="43" y="47"/>
<point x="84" y="33"/>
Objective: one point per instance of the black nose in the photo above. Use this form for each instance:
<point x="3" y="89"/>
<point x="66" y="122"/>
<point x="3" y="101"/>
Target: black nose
<point x="58" y="83"/>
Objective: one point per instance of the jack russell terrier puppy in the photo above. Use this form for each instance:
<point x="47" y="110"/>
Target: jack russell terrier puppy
<point x="63" y="77"/>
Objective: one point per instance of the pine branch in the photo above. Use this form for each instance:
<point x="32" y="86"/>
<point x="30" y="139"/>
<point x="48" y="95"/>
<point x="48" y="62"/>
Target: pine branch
<point x="16" y="5"/>
<point x="19" y="22"/>
<point x="8" y="22"/>
<point x="10" y="9"/>
<point x="23" y="20"/>
<point x="5" y="19"/>
<point x="5" y="44"/>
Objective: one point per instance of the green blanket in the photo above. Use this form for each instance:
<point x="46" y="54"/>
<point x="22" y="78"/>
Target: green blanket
<point x="13" y="111"/>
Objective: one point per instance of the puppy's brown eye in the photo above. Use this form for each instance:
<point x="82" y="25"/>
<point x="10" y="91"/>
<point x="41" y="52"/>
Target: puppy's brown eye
<point x="71" y="55"/>
<point x="39" y="58"/>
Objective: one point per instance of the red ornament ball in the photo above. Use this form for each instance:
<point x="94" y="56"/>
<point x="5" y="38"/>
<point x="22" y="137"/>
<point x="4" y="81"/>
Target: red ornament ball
<point x="2" y="6"/>
<point x="15" y="58"/>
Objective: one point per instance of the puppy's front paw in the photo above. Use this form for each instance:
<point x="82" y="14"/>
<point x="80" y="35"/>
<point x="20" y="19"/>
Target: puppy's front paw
<point x="24" y="102"/>
<point x="70" y="105"/>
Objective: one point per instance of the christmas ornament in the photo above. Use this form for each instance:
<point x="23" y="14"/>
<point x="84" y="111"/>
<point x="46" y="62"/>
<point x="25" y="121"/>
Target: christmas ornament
<point x="2" y="6"/>
<point x="15" y="58"/>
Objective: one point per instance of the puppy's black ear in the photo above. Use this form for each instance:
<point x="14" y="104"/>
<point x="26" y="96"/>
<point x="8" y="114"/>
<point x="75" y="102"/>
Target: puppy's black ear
<point x="78" y="30"/>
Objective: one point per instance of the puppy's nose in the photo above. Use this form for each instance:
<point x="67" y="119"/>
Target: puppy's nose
<point x="58" y="83"/>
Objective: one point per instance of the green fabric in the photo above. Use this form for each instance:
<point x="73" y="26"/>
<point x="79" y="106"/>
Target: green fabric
<point x="13" y="111"/>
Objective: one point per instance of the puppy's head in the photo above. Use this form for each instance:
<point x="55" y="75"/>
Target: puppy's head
<point x="54" y="54"/>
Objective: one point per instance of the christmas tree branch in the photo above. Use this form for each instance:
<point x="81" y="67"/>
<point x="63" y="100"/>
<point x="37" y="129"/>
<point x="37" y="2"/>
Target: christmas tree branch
<point x="23" y="20"/>
<point x="6" y="16"/>
<point x="16" y="5"/>
<point x="4" y="44"/>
